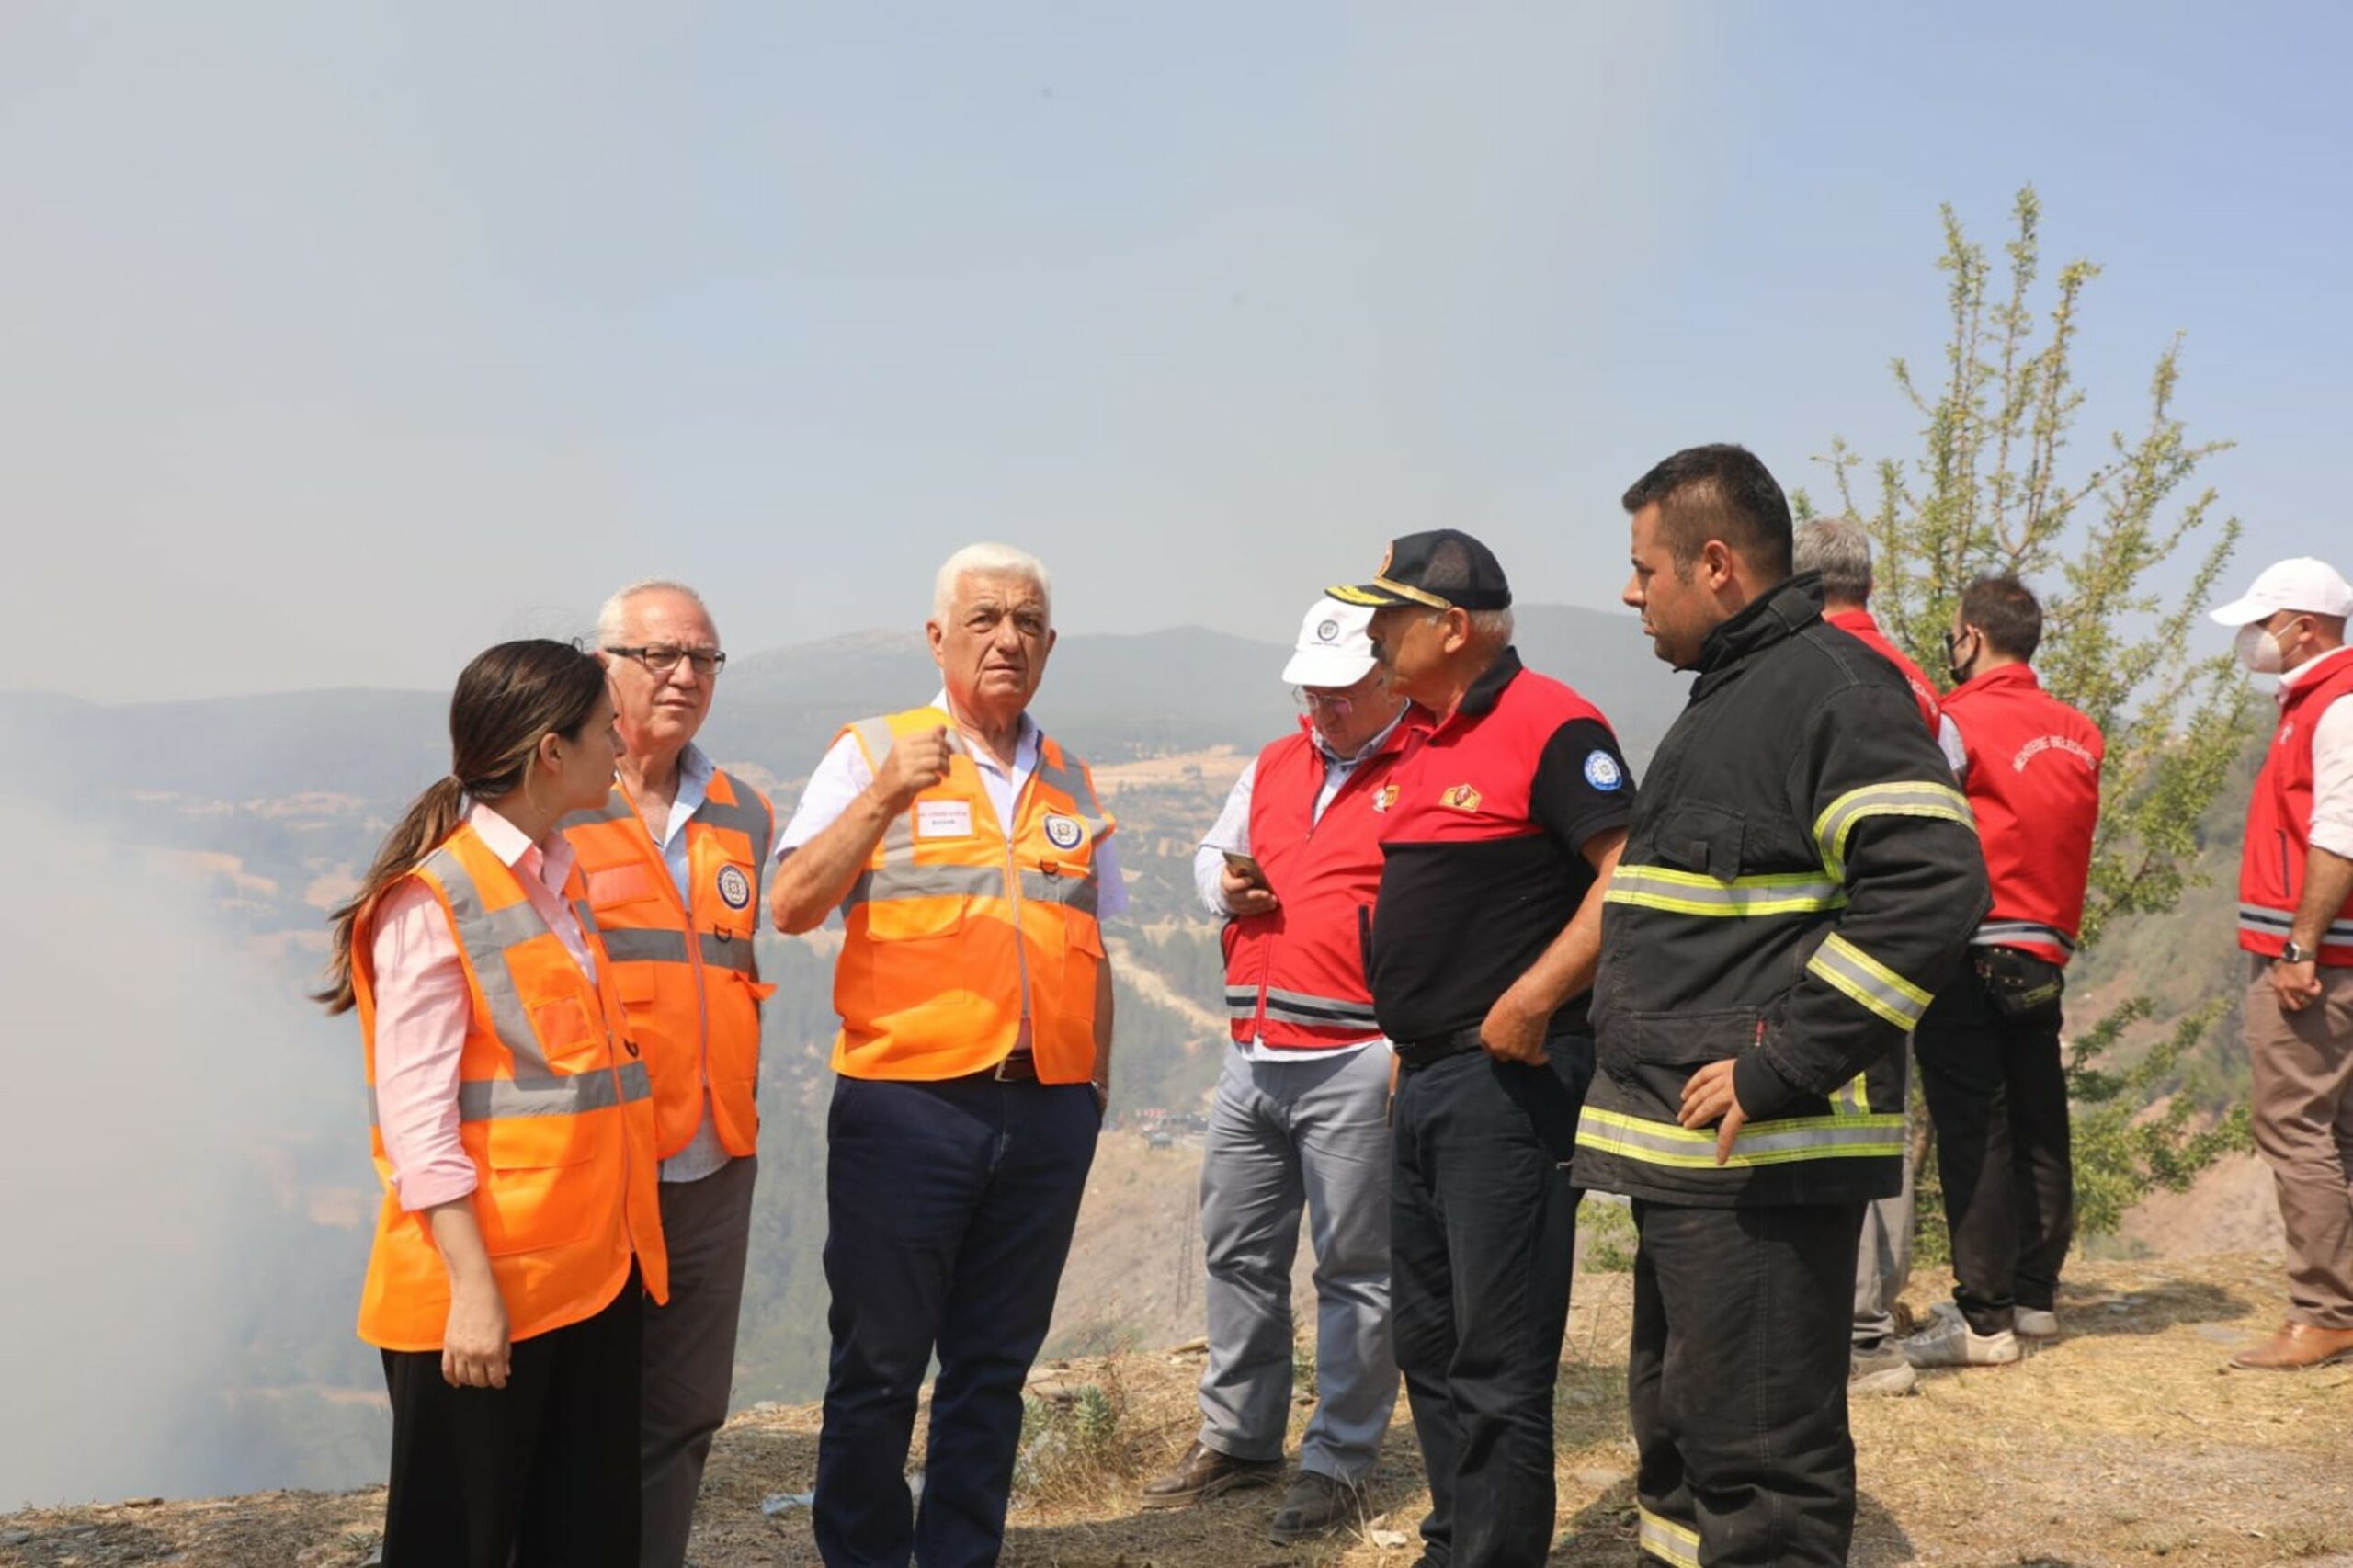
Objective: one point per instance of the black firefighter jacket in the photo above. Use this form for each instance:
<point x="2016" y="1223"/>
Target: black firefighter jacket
<point x="1800" y="877"/>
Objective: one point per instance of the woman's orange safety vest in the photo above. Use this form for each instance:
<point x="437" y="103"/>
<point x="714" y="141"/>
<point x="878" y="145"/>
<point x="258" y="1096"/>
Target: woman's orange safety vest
<point x="694" y="1006"/>
<point x="960" y="933"/>
<point x="553" y="1105"/>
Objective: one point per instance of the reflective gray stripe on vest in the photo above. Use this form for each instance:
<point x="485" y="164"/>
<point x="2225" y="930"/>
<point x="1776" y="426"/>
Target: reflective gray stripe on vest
<point x="1071" y="779"/>
<point x="1330" y="1012"/>
<point x="670" y="947"/>
<point x="744" y="815"/>
<point x="1242" y="1005"/>
<point x="2263" y="922"/>
<point x="1998" y="933"/>
<point x="494" y="1099"/>
<point x="614" y="809"/>
<point x="572" y="1094"/>
<point x="874" y="736"/>
<point x="926" y="882"/>
<point x="1074" y="892"/>
<point x="486" y="936"/>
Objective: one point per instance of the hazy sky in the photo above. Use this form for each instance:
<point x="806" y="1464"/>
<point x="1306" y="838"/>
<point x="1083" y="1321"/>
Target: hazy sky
<point x="337" y="342"/>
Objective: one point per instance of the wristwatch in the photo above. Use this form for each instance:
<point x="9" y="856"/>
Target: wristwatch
<point x="2292" y="952"/>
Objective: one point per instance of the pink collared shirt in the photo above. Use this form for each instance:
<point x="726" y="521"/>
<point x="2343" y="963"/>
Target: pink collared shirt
<point x="422" y="1004"/>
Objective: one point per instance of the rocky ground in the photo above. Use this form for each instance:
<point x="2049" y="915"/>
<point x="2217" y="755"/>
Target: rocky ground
<point x="2125" y="1443"/>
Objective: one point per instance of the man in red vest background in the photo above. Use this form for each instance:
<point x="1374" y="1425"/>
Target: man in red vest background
<point x="1988" y="1046"/>
<point x="1302" y="1115"/>
<point x="2296" y="923"/>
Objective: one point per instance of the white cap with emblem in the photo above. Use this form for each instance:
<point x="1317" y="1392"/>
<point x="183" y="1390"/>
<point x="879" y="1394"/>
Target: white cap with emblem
<point x="1335" y="648"/>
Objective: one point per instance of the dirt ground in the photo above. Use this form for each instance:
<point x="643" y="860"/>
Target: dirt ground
<point x="2124" y="1443"/>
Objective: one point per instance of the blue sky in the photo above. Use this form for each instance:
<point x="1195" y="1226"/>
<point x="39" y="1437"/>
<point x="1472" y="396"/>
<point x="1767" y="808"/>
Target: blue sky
<point x="338" y="342"/>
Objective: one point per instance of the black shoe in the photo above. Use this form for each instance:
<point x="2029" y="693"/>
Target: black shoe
<point x="1316" y="1504"/>
<point x="1204" y="1473"/>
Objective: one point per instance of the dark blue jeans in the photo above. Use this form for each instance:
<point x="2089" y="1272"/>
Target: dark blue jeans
<point x="1482" y="1243"/>
<point x="949" y="1210"/>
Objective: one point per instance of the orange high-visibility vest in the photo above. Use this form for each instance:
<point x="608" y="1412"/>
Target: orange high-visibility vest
<point x="960" y="928"/>
<point x="693" y="1006"/>
<point x="553" y="1106"/>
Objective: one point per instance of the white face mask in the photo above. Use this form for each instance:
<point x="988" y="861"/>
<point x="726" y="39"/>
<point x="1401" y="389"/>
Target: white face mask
<point x="2258" y="650"/>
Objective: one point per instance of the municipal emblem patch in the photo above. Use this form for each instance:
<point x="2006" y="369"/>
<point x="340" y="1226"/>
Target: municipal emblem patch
<point x="734" y="887"/>
<point x="1461" y="797"/>
<point x="1063" y="833"/>
<point x="1601" y="771"/>
<point x="1386" y="798"/>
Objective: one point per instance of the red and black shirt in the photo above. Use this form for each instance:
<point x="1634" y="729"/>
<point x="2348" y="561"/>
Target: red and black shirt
<point x="1485" y="821"/>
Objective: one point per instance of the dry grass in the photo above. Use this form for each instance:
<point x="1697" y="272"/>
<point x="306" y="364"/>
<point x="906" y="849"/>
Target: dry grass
<point x="2125" y="1443"/>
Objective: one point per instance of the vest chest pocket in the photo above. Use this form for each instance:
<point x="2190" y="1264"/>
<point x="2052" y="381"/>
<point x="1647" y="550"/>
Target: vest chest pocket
<point x="1706" y="839"/>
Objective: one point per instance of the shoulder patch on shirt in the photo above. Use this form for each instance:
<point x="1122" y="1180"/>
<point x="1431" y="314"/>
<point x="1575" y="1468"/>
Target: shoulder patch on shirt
<point x="1601" y="771"/>
<point x="1063" y="833"/>
<point x="1461" y="797"/>
<point x="734" y="887"/>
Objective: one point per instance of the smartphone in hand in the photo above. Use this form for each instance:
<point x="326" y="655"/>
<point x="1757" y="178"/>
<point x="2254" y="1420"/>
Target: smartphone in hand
<point x="1247" y="868"/>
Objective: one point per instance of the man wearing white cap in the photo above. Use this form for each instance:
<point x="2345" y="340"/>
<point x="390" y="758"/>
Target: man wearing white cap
<point x="2296" y="922"/>
<point x="1302" y="1114"/>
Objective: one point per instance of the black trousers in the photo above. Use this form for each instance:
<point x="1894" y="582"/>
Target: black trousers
<point x="1483" y="1244"/>
<point x="1737" y="1383"/>
<point x="950" y="1209"/>
<point x="542" y="1474"/>
<point x="1997" y="1094"/>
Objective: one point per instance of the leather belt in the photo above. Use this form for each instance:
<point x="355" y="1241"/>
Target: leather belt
<point x="1412" y="1057"/>
<point x="1019" y="1067"/>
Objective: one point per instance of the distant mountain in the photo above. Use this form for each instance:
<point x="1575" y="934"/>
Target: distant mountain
<point x="1112" y="696"/>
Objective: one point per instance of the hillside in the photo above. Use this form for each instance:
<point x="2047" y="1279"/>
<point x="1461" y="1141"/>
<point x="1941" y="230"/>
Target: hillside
<point x="2123" y="1444"/>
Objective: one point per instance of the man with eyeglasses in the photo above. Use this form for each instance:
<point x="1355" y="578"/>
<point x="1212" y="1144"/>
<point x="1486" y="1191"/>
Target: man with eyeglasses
<point x="1301" y="1118"/>
<point x="1506" y="822"/>
<point x="673" y="869"/>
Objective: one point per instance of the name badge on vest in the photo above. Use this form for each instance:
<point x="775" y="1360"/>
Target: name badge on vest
<point x="943" y="819"/>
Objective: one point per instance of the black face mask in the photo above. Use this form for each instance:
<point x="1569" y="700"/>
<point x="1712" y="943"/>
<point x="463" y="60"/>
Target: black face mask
<point x="1953" y="664"/>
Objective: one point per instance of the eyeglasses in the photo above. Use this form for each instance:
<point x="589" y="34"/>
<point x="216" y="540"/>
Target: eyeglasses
<point x="661" y="659"/>
<point x="1312" y="702"/>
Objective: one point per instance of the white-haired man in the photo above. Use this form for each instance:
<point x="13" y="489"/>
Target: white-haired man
<point x="1301" y="1118"/>
<point x="672" y="866"/>
<point x="971" y="861"/>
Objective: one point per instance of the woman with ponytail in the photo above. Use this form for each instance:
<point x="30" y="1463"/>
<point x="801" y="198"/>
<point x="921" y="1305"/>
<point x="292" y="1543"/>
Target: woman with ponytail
<point x="514" y="1132"/>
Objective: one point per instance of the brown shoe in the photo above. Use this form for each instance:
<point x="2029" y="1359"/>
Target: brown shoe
<point x="2296" y="1345"/>
<point x="1204" y="1473"/>
<point x="1316" y="1504"/>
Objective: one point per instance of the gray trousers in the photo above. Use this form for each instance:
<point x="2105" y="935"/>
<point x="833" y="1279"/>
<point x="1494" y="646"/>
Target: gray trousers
<point x="1285" y="1135"/>
<point x="1882" y="1264"/>
<point x="689" y="1356"/>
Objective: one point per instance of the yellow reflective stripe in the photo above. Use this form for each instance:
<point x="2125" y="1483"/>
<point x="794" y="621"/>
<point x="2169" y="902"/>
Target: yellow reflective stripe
<point x="1906" y="799"/>
<point x="1665" y="1539"/>
<point x="1853" y="1098"/>
<point x="1690" y="892"/>
<point x="1867" y="981"/>
<point x="1759" y="1143"/>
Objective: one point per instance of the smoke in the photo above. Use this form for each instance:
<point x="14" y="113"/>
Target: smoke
<point x="165" y="1088"/>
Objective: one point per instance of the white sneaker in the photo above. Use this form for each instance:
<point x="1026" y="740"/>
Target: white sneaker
<point x="1951" y="1342"/>
<point x="2033" y="1323"/>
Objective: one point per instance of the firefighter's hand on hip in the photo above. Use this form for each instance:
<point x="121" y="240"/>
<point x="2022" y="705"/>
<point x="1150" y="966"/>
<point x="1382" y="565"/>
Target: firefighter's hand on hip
<point x="1708" y="1098"/>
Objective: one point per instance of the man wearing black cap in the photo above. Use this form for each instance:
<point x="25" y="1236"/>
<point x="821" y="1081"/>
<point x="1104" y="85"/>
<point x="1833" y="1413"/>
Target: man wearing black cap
<point x="1503" y="820"/>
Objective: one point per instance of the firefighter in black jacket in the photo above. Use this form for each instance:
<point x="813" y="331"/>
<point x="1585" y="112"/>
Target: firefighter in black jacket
<point x="1799" y="877"/>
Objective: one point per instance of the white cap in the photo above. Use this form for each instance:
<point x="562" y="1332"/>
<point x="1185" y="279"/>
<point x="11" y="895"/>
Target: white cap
<point x="1335" y="648"/>
<point x="2303" y="584"/>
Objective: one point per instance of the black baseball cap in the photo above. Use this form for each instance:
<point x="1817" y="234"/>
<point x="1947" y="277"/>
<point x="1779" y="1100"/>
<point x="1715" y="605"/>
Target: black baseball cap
<point x="1474" y="578"/>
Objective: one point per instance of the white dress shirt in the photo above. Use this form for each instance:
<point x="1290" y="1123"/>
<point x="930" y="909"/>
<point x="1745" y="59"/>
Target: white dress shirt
<point x="2332" y="827"/>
